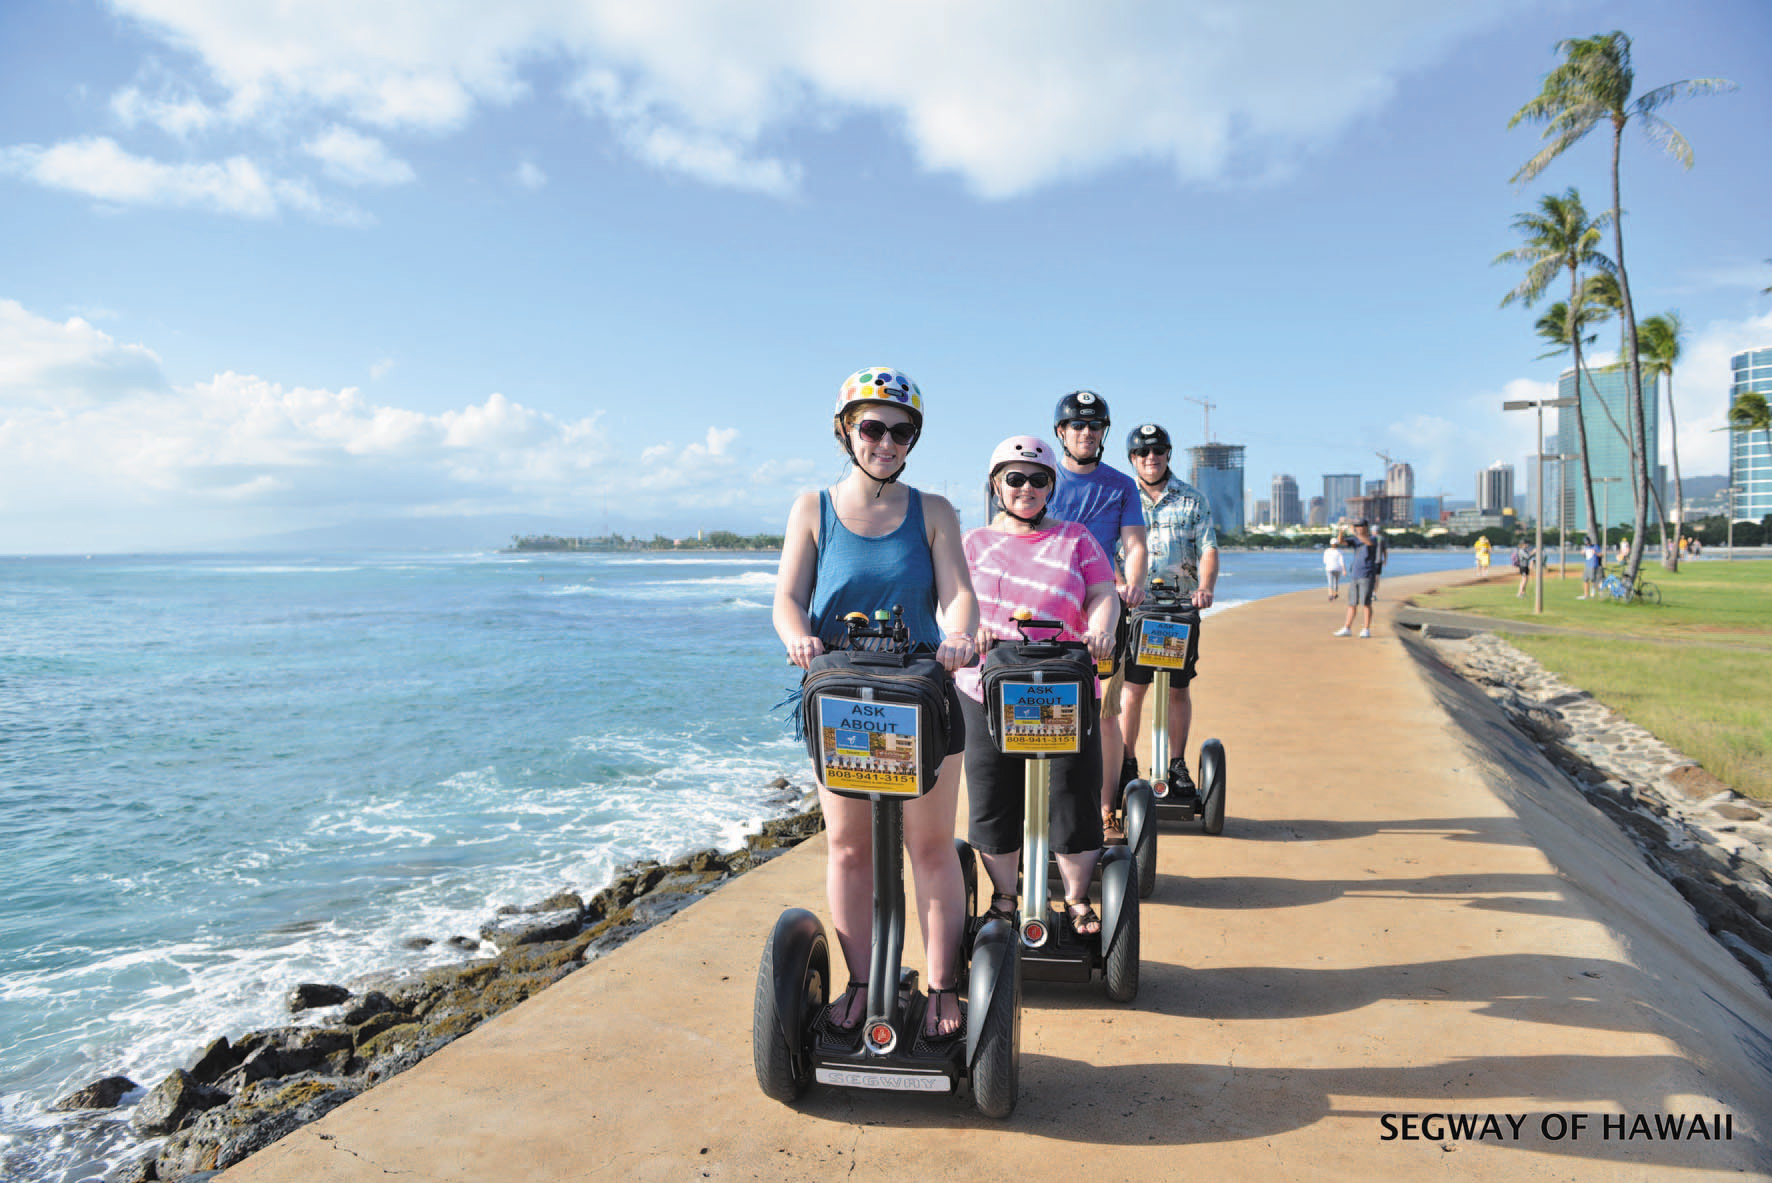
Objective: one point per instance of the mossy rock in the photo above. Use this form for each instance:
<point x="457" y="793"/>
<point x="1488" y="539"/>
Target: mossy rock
<point x="376" y="1024"/>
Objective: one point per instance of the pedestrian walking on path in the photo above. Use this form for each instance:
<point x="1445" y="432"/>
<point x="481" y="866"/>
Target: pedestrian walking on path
<point x="1333" y="569"/>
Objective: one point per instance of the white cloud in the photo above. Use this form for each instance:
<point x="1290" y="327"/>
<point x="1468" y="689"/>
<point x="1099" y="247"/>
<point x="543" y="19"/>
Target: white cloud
<point x="530" y="176"/>
<point x="1008" y="95"/>
<point x="177" y="117"/>
<point x="353" y="158"/>
<point x="97" y="167"/>
<point x="97" y="450"/>
<point x="1701" y="391"/>
<point x="67" y="365"/>
<point x="382" y="368"/>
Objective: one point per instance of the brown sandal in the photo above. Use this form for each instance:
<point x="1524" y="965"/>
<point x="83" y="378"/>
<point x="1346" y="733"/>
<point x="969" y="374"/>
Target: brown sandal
<point x="1084" y="921"/>
<point x="1006" y="915"/>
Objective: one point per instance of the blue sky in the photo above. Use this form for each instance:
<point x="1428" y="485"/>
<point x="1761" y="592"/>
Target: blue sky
<point x="270" y="267"/>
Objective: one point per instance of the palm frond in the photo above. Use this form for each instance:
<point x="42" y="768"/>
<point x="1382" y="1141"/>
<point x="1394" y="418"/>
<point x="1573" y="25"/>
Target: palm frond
<point x="1664" y="135"/>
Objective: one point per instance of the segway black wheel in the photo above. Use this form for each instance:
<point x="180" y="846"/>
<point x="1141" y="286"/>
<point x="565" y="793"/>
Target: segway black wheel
<point x="1213" y="785"/>
<point x="996" y="1066"/>
<point x="792" y="991"/>
<point x="1141" y="835"/>
<point x="1119" y="971"/>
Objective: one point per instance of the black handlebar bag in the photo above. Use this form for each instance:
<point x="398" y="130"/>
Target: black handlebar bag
<point x="876" y="722"/>
<point x="1039" y="697"/>
<point x="1165" y="635"/>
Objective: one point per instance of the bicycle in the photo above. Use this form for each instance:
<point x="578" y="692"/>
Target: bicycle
<point x="1642" y="590"/>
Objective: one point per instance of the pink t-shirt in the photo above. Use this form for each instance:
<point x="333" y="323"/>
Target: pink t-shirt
<point x="1049" y="572"/>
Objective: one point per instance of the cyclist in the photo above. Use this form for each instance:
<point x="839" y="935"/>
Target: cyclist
<point x="1105" y="502"/>
<point x="1184" y="552"/>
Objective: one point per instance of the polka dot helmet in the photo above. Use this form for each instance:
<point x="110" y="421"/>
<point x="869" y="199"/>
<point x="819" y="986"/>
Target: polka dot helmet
<point x="881" y="384"/>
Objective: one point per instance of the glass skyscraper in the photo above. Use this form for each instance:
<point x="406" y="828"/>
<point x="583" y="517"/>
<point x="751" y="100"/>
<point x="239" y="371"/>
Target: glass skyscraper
<point x="1338" y="487"/>
<point x="1750" y="452"/>
<point x="1603" y="402"/>
<point x="1216" y="470"/>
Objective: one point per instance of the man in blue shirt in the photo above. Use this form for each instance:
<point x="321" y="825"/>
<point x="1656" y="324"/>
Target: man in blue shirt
<point x="1362" y="569"/>
<point x="1104" y="501"/>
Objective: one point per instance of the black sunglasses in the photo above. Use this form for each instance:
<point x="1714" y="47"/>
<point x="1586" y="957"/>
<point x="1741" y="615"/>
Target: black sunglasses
<point x="874" y="431"/>
<point x="1086" y="425"/>
<point x="1141" y="453"/>
<point x="1016" y="480"/>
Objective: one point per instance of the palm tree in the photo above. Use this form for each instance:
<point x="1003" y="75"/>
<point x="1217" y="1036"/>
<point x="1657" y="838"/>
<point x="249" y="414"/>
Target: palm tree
<point x="1599" y="303"/>
<point x="1593" y="84"/>
<point x="1561" y="237"/>
<point x="1661" y="351"/>
<point x="1749" y="412"/>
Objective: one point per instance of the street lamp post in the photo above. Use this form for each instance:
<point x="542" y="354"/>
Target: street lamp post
<point x="1562" y="515"/>
<point x="1539" y="404"/>
<point x="1606" y="508"/>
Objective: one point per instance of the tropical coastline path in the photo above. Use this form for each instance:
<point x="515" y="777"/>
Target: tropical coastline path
<point x="1408" y="913"/>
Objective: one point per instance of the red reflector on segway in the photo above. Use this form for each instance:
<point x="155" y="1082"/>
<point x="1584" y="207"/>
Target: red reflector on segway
<point x="881" y="1037"/>
<point x="1159" y="788"/>
<point x="1034" y="932"/>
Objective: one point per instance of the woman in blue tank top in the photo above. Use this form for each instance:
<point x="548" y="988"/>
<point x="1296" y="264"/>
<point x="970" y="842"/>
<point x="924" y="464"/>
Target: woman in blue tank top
<point x="866" y="543"/>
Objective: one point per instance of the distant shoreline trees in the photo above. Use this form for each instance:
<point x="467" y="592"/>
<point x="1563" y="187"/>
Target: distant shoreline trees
<point x="712" y="540"/>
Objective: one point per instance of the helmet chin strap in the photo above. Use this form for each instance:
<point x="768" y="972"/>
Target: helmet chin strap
<point x="1003" y="504"/>
<point x="1162" y="481"/>
<point x="1065" y="448"/>
<point x="879" y="482"/>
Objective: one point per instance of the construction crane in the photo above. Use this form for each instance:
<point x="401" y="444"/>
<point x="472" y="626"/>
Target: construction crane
<point x="1207" y="437"/>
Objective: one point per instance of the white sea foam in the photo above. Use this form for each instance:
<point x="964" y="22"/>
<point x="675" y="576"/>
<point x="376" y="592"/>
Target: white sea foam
<point x="674" y="560"/>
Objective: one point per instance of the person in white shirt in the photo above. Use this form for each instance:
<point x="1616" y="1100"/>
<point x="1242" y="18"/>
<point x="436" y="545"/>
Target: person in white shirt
<point x="1334" y="566"/>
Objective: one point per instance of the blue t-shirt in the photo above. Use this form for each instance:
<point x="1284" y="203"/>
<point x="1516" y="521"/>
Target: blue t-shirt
<point x="1101" y="501"/>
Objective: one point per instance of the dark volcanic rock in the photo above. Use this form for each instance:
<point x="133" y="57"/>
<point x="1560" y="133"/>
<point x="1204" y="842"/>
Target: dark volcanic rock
<point x="223" y="1137"/>
<point x="371" y="1004"/>
<point x="100" y="1094"/>
<point x="509" y="931"/>
<point x="312" y="994"/>
<point x="173" y="1103"/>
<point x="216" y="1061"/>
<point x="559" y="902"/>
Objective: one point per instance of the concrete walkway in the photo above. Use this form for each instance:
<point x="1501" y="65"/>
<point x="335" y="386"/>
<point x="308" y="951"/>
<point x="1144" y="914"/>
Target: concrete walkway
<point x="1407" y="913"/>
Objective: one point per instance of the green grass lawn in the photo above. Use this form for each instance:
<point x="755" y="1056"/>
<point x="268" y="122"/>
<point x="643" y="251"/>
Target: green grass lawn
<point x="1711" y="697"/>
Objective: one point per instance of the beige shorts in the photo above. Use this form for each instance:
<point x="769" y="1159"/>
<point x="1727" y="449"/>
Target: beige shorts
<point x="1110" y="692"/>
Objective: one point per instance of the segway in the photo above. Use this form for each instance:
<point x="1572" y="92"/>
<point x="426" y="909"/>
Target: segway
<point x="1039" y="699"/>
<point x="1138" y="824"/>
<point x="876" y="729"/>
<point x="1164" y="636"/>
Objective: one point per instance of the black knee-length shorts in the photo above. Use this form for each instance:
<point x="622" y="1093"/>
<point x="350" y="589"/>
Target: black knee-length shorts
<point x="996" y="792"/>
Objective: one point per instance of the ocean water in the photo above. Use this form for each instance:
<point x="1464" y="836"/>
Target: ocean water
<point x="224" y="775"/>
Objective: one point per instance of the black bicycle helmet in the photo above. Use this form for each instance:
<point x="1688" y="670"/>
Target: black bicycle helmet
<point x="1081" y="404"/>
<point x="1146" y="435"/>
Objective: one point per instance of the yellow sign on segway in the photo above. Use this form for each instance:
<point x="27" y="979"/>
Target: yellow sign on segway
<point x="869" y="747"/>
<point x="1162" y="644"/>
<point x="1040" y="719"/>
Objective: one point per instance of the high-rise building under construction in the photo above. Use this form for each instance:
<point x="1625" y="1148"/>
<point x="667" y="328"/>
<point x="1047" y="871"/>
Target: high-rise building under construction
<point x="1217" y="471"/>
